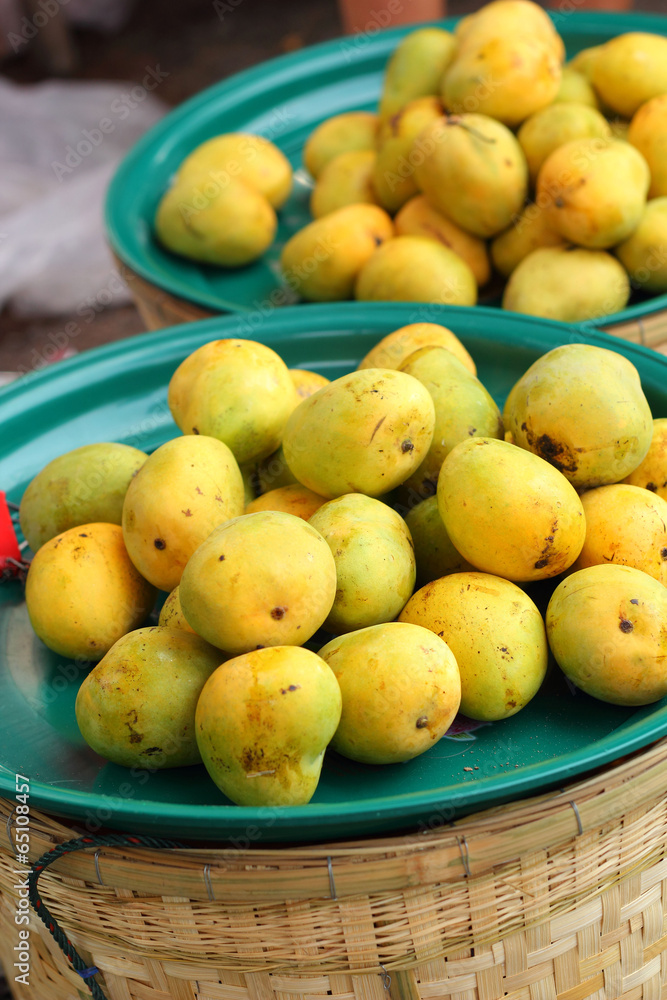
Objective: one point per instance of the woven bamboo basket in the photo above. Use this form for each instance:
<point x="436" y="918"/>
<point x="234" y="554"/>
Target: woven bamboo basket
<point x="159" y="309"/>
<point x="561" y="897"/>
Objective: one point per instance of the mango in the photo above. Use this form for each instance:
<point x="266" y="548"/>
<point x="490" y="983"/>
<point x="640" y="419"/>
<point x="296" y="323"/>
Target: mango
<point x="584" y="61"/>
<point x="575" y="86"/>
<point x="418" y="218"/>
<point x="400" y="689"/>
<point x="230" y="224"/>
<point x="567" y="283"/>
<point x="647" y="132"/>
<point x="253" y="158"/>
<point x="345" y="180"/>
<point x="295" y="499"/>
<point x="181" y="493"/>
<point x="629" y="70"/>
<point x="263" y="723"/>
<point x="363" y="433"/>
<point x="474" y="171"/>
<point x="392" y="350"/>
<point x="529" y="231"/>
<point x="463" y="409"/>
<point x="508" y="512"/>
<point x="351" y="131"/>
<point x="506" y="77"/>
<point x="375" y="562"/>
<point x="274" y="472"/>
<point x="137" y="707"/>
<point x="582" y="408"/>
<point x="171" y="614"/>
<point x="306" y="382"/>
<point x="435" y="554"/>
<point x="552" y="127"/>
<point x="626" y="525"/>
<point x="496" y="634"/>
<point x="264" y="579"/>
<point x="413" y="269"/>
<point x="606" y="629"/>
<point x="84" y="485"/>
<point x="651" y="473"/>
<point x="415" y="68"/>
<point x="83" y="593"/>
<point x="238" y="391"/>
<point x="594" y="191"/>
<point x="321" y="261"/>
<point x="394" y="168"/>
<point x="644" y="253"/>
<point x="510" y="18"/>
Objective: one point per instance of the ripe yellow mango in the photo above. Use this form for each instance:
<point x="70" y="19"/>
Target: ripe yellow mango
<point x="264" y="579"/>
<point x="321" y="261"/>
<point x="263" y="723"/>
<point x="171" y="615"/>
<point x="582" y="408"/>
<point x="363" y="433"/>
<point x="644" y="253"/>
<point x="629" y="70"/>
<point x="508" y="512"/>
<point x="435" y="554"/>
<point x="238" y="391"/>
<point x="392" y="350"/>
<point x="496" y="634"/>
<point x="394" y="168"/>
<point x="375" y="562"/>
<point x="415" y="68"/>
<point x="183" y="491"/>
<point x="575" y="86"/>
<point x="83" y="593"/>
<point x="84" y="485"/>
<point x="230" y="223"/>
<point x="584" y="61"/>
<point x="651" y="473"/>
<point x="419" y="218"/>
<point x="606" y="629"/>
<point x="594" y="191"/>
<point x="294" y="499"/>
<point x="648" y="133"/>
<point x="626" y="525"/>
<point x="413" y="269"/>
<point x="353" y="130"/>
<point x="137" y="707"/>
<point x="509" y="18"/>
<point x="345" y="180"/>
<point x="529" y="231"/>
<point x="552" y="127"/>
<point x="474" y="171"/>
<point x="400" y="689"/>
<point x="306" y="382"/>
<point x="253" y="158"/>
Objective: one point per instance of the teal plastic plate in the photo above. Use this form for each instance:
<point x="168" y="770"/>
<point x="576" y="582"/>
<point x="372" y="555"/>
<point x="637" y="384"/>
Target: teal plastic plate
<point x="284" y="100"/>
<point x="119" y="393"/>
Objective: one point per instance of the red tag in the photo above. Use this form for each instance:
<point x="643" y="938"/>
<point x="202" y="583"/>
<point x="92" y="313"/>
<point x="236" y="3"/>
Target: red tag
<point x="10" y="554"/>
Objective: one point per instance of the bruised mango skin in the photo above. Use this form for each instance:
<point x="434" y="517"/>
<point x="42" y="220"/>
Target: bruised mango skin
<point x="82" y="486"/>
<point x="137" y="706"/>
<point x="295" y="499"/>
<point x="414" y="269"/>
<point x="582" y="408"/>
<point x="625" y="525"/>
<point x="508" y="512"/>
<point x="651" y="473"/>
<point x="415" y="68"/>
<point x="392" y="350"/>
<point x="252" y="157"/>
<point x="418" y="218"/>
<point x="239" y="391"/>
<point x="496" y="634"/>
<point x="393" y="171"/>
<point x="171" y="615"/>
<point x="345" y="180"/>
<point x="351" y="131"/>
<point x="83" y="593"/>
<point x="435" y="554"/>
<point x="264" y="579"/>
<point x="263" y="722"/>
<point x="400" y="688"/>
<point x="185" y="489"/>
<point x="606" y="629"/>
<point x="375" y="562"/>
<point x="363" y="433"/>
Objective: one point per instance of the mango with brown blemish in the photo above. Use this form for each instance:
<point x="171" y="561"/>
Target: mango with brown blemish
<point x="264" y="579"/>
<point x="83" y="592"/>
<point x="263" y="723"/>
<point x="400" y="688"/>
<point x="418" y="218"/>
<point x="137" y="707"/>
<point x="415" y="68"/>
<point x="497" y="635"/>
<point x="183" y="491"/>
<point x="508" y="512"/>
<point x="363" y="433"/>
<point x="392" y="350"/>
<point x="651" y="473"/>
<point x="294" y="499"/>
<point x="435" y="554"/>
<point x="606" y="629"/>
<point x="351" y="131"/>
<point x="171" y="613"/>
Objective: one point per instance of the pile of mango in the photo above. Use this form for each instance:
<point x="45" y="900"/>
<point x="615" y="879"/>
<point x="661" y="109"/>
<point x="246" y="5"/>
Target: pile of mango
<point x="350" y="563"/>
<point x="488" y="160"/>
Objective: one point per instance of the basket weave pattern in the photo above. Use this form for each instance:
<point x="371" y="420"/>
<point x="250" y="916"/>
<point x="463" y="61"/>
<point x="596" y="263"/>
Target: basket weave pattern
<point x="515" y="902"/>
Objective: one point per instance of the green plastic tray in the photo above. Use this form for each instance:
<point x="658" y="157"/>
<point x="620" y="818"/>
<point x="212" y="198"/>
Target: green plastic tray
<point x="119" y="393"/>
<point x="284" y="99"/>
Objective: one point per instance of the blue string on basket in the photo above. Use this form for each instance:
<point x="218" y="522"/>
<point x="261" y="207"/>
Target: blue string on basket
<point x="86" y="972"/>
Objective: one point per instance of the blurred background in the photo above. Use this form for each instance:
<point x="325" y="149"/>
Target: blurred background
<point x="64" y="65"/>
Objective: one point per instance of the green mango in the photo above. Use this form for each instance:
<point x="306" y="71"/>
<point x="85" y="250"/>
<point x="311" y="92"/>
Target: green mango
<point x="575" y="86"/>
<point x="416" y="67"/>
